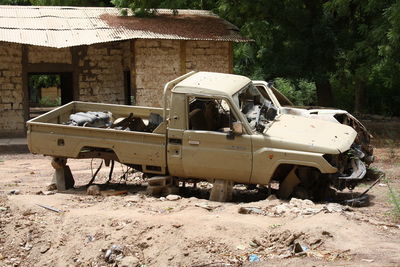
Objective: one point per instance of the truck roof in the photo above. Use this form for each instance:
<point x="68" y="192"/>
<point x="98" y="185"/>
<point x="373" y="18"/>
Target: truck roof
<point x="212" y="83"/>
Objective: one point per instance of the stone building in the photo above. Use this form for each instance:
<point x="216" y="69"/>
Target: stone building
<point x="102" y="57"/>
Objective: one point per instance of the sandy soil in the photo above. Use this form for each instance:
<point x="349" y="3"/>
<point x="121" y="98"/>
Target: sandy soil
<point x="136" y="229"/>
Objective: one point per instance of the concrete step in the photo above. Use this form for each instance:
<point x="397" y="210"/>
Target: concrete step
<point x="13" y="145"/>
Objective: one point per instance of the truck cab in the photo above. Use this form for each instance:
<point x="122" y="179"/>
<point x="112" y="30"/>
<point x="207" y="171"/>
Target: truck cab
<point x="222" y="127"/>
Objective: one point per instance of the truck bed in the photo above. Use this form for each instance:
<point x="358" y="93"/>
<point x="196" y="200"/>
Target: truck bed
<point x="49" y="135"/>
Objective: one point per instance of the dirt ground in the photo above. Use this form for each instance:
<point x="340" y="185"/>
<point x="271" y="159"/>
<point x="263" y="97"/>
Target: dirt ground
<point x="134" y="229"/>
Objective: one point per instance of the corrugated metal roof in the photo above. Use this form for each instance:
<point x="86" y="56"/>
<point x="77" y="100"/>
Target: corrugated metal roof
<point x="72" y="26"/>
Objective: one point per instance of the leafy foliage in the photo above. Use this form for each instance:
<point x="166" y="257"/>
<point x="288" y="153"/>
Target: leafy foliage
<point x="15" y="2"/>
<point x="43" y="81"/>
<point x="300" y="93"/>
<point x="36" y="82"/>
<point x="348" y="50"/>
<point x="49" y="102"/>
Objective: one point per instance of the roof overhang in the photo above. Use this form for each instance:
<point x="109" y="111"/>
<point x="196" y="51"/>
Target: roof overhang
<point x="61" y="27"/>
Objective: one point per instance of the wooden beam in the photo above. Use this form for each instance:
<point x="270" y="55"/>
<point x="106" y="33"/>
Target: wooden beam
<point x="49" y="67"/>
<point x="25" y="88"/>
<point x="230" y="60"/>
<point x="75" y="72"/>
<point x="133" y="70"/>
<point x="182" y="56"/>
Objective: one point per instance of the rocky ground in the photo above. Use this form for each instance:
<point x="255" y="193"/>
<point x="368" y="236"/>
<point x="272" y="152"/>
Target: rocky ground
<point x="125" y="227"/>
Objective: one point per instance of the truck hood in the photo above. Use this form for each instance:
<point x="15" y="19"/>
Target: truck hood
<point x="322" y="114"/>
<point x="312" y="135"/>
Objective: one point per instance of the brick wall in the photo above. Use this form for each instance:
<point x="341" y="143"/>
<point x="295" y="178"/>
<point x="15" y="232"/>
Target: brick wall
<point x="11" y="94"/>
<point x="101" y="66"/>
<point x="156" y="62"/>
<point x="208" y="56"/>
<point x="101" y="69"/>
<point x="159" y="61"/>
<point x="40" y="54"/>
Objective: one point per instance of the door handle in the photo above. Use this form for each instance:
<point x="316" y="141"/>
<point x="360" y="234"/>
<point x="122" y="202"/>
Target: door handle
<point x="194" y="142"/>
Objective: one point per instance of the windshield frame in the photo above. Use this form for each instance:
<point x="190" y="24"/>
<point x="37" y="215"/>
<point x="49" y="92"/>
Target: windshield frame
<point x="269" y="97"/>
<point x="273" y="92"/>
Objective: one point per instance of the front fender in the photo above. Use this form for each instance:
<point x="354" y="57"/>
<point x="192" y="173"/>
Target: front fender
<point x="266" y="160"/>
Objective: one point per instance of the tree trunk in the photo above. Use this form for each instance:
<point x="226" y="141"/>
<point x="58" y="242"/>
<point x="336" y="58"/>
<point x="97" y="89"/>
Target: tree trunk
<point x="359" y="97"/>
<point x="324" y="93"/>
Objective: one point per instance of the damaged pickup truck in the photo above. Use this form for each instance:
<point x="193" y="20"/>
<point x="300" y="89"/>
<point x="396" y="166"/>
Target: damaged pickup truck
<point x="218" y="127"/>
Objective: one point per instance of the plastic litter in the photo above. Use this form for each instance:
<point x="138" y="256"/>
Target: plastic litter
<point x="254" y="258"/>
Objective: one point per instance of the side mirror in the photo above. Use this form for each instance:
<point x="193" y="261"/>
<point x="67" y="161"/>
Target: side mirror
<point x="237" y="128"/>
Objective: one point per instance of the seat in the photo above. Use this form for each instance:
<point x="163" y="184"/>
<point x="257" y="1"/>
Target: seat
<point x="197" y="120"/>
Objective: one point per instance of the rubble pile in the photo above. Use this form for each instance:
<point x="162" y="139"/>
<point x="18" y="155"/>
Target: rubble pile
<point x="294" y="207"/>
<point x="285" y="243"/>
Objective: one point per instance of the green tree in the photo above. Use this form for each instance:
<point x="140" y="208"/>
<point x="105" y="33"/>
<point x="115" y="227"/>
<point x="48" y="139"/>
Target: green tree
<point x="349" y="48"/>
<point x="368" y="51"/>
<point x="15" y="2"/>
<point x="292" y="38"/>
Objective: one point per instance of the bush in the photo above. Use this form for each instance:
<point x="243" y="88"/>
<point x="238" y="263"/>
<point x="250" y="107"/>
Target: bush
<point x="300" y="92"/>
<point x="49" y="102"/>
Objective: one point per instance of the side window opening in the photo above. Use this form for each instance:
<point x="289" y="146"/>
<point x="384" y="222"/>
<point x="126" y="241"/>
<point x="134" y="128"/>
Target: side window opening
<point x="210" y="114"/>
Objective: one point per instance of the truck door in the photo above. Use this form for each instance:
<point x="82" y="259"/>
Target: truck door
<point x="208" y="149"/>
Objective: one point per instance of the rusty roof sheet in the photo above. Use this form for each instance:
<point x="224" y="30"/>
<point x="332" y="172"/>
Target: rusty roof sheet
<point x="72" y="26"/>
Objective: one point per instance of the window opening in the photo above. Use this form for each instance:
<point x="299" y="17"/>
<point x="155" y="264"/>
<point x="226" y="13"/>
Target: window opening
<point x="210" y="114"/>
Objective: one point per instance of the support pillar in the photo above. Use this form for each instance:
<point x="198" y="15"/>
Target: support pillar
<point x="62" y="177"/>
<point x="221" y="191"/>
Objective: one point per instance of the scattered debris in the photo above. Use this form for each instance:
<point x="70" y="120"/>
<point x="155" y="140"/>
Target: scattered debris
<point x="254" y="243"/>
<point x="45" y="248"/>
<point x="51" y="187"/>
<point x="143" y="245"/>
<point x="14" y="192"/>
<point x="285" y="244"/>
<point x="173" y="197"/>
<point x="129" y="261"/>
<point x="360" y="201"/>
<point x="254" y="258"/>
<point x="93" y="190"/>
<point x="299" y="248"/>
<point x="46" y="193"/>
<point x="134" y="198"/>
<point x="367" y="260"/>
<point x="382" y="185"/>
<point x="251" y="210"/>
<point x="335" y="207"/>
<point x="241" y="247"/>
<point x="28" y="212"/>
<point x="27" y="246"/>
<point x="327" y="233"/>
<point x="90" y="238"/>
<point x="113" y="254"/>
<point x="207" y="206"/>
<point x="295" y="206"/>
<point x="49" y="208"/>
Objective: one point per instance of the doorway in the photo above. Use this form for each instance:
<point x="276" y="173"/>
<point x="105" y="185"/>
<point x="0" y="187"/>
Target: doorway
<point x="47" y="91"/>
<point x="129" y="99"/>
